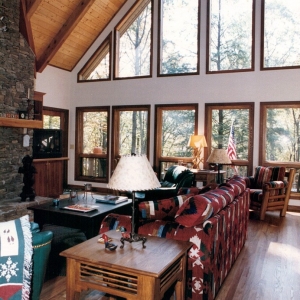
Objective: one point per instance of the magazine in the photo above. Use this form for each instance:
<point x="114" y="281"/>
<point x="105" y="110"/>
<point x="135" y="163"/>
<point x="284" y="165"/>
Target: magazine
<point x="110" y="199"/>
<point x="80" y="208"/>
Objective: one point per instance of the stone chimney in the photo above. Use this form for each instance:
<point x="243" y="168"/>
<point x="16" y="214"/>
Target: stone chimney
<point x="16" y="77"/>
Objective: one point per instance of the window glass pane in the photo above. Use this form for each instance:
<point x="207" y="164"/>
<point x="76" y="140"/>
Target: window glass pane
<point x="179" y="36"/>
<point x="98" y="66"/>
<point x="283" y="134"/>
<point x="230" y="43"/>
<point x="281" y="37"/>
<point x="51" y="122"/>
<point x="94" y="167"/>
<point x="133" y="132"/>
<point x="222" y="120"/>
<point x="135" y="45"/>
<point x="177" y="127"/>
<point x="94" y="131"/>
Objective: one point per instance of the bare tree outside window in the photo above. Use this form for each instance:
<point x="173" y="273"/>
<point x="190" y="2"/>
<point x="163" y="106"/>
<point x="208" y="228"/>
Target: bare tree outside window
<point x="230" y="35"/>
<point x="134" y="43"/>
<point x="281" y="38"/>
<point x="179" y="37"/>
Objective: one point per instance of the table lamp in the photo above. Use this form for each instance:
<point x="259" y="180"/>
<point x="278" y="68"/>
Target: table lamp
<point x="219" y="157"/>
<point x="197" y="142"/>
<point x="133" y="173"/>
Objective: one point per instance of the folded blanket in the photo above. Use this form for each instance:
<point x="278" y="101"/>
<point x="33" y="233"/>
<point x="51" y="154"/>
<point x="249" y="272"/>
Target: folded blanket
<point x="15" y="259"/>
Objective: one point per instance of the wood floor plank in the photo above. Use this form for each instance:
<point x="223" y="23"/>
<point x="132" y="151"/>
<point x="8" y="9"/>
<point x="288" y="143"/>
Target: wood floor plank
<point x="268" y="267"/>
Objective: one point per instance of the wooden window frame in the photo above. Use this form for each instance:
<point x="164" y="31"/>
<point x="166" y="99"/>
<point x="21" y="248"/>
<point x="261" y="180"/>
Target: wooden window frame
<point x="159" y="45"/>
<point x="158" y="127"/>
<point x="208" y="71"/>
<point x="100" y="52"/>
<point x="262" y="55"/>
<point x="208" y="131"/>
<point x="116" y="129"/>
<point x="126" y="21"/>
<point x="79" y="143"/>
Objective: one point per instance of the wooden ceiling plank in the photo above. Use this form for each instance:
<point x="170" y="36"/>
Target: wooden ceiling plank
<point x="32" y="6"/>
<point x="64" y="32"/>
<point x="25" y="27"/>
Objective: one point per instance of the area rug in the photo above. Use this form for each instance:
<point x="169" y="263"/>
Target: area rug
<point x="15" y="259"/>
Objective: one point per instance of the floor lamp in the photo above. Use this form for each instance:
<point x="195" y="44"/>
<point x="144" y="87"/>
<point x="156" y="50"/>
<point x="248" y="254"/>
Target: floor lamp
<point x="197" y="142"/>
<point x="219" y="157"/>
<point x="133" y="173"/>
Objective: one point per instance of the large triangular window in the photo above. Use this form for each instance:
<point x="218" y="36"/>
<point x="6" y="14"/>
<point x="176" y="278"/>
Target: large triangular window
<point x="98" y="66"/>
<point x="133" y="42"/>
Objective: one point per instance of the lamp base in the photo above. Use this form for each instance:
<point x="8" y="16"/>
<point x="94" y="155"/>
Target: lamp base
<point x="133" y="237"/>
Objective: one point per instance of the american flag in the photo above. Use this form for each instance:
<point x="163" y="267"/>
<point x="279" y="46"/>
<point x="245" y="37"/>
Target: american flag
<point x="231" y="148"/>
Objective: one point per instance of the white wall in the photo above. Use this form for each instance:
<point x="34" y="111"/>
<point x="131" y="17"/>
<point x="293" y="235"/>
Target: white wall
<point x="258" y="86"/>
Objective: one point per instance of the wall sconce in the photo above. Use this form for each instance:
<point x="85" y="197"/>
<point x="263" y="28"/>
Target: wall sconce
<point x="197" y="142"/>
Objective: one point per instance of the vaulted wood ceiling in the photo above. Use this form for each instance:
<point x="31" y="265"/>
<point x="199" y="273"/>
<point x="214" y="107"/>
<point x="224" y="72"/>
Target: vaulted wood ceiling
<point x="61" y="31"/>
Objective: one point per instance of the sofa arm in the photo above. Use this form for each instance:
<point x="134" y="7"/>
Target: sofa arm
<point x="275" y="188"/>
<point x="41" y="243"/>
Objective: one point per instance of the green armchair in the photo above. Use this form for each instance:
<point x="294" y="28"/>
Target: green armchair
<point x="41" y="243"/>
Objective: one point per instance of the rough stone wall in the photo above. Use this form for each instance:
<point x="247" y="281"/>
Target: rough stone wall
<point x="16" y="76"/>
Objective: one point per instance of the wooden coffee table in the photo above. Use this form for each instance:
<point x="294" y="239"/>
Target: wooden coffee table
<point x="131" y="272"/>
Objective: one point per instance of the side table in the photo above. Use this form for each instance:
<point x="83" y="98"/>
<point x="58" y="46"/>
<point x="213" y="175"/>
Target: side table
<point x="131" y="272"/>
<point x="206" y="176"/>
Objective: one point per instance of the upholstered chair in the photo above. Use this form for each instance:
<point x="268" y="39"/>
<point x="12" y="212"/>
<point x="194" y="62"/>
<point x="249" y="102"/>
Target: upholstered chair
<point x="270" y="189"/>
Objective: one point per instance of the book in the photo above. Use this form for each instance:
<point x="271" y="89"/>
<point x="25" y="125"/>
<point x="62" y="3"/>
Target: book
<point x="80" y="208"/>
<point x="110" y="199"/>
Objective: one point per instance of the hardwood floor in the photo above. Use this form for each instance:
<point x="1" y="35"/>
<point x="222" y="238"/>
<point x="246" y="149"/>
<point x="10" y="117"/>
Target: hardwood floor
<point x="267" y="268"/>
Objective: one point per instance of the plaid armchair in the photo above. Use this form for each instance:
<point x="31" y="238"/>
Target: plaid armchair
<point x="270" y="189"/>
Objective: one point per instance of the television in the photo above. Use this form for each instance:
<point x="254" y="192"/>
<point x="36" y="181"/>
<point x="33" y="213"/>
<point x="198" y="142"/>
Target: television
<point x="47" y="143"/>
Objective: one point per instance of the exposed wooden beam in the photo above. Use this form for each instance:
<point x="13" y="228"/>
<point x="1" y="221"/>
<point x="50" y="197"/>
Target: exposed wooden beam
<point x="63" y="34"/>
<point x="32" y="6"/>
<point x="25" y="26"/>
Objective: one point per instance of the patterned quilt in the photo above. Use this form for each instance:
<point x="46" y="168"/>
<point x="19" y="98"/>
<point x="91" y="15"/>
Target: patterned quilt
<point x="15" y="259"/>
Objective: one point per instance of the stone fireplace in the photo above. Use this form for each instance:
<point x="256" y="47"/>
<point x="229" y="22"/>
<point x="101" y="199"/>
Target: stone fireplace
<point x="16" y="79"/>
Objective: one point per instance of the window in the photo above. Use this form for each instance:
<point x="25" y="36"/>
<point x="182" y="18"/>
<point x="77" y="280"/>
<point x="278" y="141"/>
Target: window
<point x="133" y="42"/>
<point x="174" y="126"/>
<point x="231" y="32"/>
<point x="91" y="155"/>
<point x="280" y="136"/>
<point x="179" y="43"/>
<point x="130" y="129"/>
<point x="220" y="120"/>
<point x="98" y="66"/>
<point x="280" y="39"/>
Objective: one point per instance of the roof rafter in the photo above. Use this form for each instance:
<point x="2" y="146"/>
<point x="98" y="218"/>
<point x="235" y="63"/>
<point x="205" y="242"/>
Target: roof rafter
<point x="63" y="33"/>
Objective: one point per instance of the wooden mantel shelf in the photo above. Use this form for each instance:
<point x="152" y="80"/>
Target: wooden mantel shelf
<point x="12" y="122"/>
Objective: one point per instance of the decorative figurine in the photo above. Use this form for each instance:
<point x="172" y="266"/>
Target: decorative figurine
<point x="28" y="170"/>
<point x="108" y="245"/>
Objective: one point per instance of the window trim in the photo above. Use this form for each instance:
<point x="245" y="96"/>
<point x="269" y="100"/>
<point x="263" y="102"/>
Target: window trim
<point x="116" y="129"/>
<point x="208" y="71"/>
<point x="106" y="43"/>
<point x="159" y="46"/>
<point x="262" y="38"/>
<point x="263" y="130"/>
<point x="208" y="130"/>
<point x="127" y="21"/>
<point x="79" y="143"/>
<point x="158" y="126"/>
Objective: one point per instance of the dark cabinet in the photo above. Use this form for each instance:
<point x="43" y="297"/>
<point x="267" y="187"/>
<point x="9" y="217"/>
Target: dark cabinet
<point x="49" y="176"/>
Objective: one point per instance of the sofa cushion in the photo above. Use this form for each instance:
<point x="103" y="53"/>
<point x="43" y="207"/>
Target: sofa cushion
<point x="164" y="209"/>
<point x="266" y="174"/>
<point x="199" y="208"/>
<point x="194" y="211"/>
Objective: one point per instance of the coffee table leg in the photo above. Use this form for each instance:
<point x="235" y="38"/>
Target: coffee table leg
<point x="71" y="294"/>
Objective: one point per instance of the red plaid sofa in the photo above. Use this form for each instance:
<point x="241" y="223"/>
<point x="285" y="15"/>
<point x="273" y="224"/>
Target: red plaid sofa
<point x="215" y="222"/>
